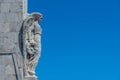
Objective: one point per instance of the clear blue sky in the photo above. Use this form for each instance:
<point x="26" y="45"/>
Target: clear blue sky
<point x="81" y="39"/>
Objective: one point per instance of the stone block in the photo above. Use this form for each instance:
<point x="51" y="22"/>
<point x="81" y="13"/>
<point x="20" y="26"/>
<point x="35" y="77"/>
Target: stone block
<point x="16" y="7"/>
<point x="5" y="7"/>
<point x="10" y="78"/>
<point x="10" y="27"/>
<point x="7" y="67"/>
<point x="2" y="18"/>
<point x="10" y="40"/>
<point x="11" y="7"/>
<point x="4" y="27"/>
<point x="31" y="78"/>
<point x="13" y="17"/>
<point x="11" y="0"/>
<point x="15" y="27"/>
<point x="2" y="42"/>
<point x="1" y="0"/>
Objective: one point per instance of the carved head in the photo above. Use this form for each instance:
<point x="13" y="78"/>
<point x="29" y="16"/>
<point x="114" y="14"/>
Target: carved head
<point x="37" y="16"/>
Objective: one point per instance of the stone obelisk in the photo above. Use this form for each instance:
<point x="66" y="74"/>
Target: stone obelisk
<point x="20" y="38"/>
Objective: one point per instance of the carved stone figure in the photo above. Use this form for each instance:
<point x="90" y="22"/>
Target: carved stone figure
<point x="31" y="42"/>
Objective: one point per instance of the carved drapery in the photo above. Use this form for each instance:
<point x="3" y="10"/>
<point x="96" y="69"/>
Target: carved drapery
<point x="31" y="42"/>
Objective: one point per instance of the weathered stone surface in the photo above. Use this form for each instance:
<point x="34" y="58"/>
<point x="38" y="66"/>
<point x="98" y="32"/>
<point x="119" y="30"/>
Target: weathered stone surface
<point x="10" y="27"/>
<point x="15" y="27"/>
<point x="7" y="67"/>
<point x="13" y="18"/>
<point x="13" y="62"/>
<point x="5" y="7"/>
<point x="11" y="0"/>
<point x="8" y="39"/>
<point x="31" y="78"/>
<point x="2" y="18"/>
<point x="4" y="27"/>
<point x="12" y="13"/>
<point x="12" y="7"/>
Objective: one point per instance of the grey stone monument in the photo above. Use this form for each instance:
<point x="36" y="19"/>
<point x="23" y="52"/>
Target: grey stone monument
<point x="20" y="41"/>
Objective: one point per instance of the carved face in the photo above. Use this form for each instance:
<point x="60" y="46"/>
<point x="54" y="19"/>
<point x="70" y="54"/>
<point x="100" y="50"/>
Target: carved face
<point x="37" y="17"/>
